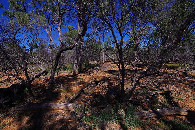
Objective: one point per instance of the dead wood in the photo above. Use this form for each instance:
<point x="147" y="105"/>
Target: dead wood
<point x="48" y="106"/>
<point x="75" y="96"/>
<point x="78" y="94"/>
<point x="162" y="112"/>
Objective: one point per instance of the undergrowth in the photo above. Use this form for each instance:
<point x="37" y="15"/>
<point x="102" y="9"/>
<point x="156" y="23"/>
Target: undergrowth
<point x="114" y="114"/>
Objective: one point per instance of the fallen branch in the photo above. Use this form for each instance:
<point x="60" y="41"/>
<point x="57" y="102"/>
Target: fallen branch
<point x="76" y="95"/>
<point x="162" y="112"/>
<point x="48" y="106"/>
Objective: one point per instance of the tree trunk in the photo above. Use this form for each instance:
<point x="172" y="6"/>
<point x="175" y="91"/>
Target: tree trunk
<point x="103" y="53"/>
<point x="50" y="37"/>
<point x="80" y="53"/>
<point x="83" y="19"/>
<point x="136" y="56"/>
<point x="56" y="61"/>
<point x="57" y="58"/>
<point x="78" y="58"/>
<point x="59" y="32"/>
<point x="75" y="66"/>
<point x="122" y="71"/>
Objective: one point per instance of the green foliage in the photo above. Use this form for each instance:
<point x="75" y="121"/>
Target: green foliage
<point x="23" y="18"/>
<point x="94" y="119"/>
<point x="175" y="66"/>
<point x="172" y="66"/>
<point x="176" y="124"/>
<point x="48" y="69"/>
<point x="26" y="90"/>
<point x="3" y="125"/>
<point x="93" y="48"/>
<point x="63" y="100"/>
<point x="181" y="98"/>
<point x="19" y="12"/>
<point x="183" y="126"/>
<point x="1" y="5"/>
<point x="71" y="35"/>
<point x="114" y="114"/>
<point x="68" y="67"/>
<point x="130" y="119"/>
<point x="35" y="69"/>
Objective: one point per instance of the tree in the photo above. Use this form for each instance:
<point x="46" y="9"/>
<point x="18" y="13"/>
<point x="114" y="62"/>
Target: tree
<point x="115" y="15"/>
<point x="16" y="38"/>
<point x="83" y="10"/>
<point x="139" y="26"/>
<point x="93" y="48"/>
<point x="51" y="15"/>
<point x="172" y="22"/>
<point x="19" y="20"/>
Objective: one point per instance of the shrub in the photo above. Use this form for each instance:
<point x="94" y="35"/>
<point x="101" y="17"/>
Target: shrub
<point x="114" y="115"/>
<point x="130" y="119"/>
<point x="68" y="67"/>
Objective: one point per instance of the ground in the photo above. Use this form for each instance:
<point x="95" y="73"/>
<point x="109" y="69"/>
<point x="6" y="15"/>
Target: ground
<point x="100" y="85"/>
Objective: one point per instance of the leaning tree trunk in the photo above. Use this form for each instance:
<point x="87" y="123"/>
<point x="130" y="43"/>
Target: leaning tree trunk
<point x="56" y="61"/>
<point x="136" y="49"/>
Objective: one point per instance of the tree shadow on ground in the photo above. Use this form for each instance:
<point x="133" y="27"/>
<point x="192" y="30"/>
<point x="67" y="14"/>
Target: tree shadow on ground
<point x="37" y="119"/>
<point x="191" y="117"/>
<point x="108" y="94"/>
<point x="114" y="72"/>
<point x="100" y="92"/>
<point x="176" y="124"/>
<point x="169" y="98"/>
<point x="52" y="93"/>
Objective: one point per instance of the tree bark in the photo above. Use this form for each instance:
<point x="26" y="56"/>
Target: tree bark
<point x="122" y="70"/>
<point x="83" y="18"/>
<point x="56" y="61"/>
<point x="75" y="66"/>
<point x="50" y="37"/>
<point x="103" y="44"/>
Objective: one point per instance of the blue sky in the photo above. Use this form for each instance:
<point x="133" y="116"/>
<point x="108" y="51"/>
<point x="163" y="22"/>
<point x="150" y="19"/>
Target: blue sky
<point x="55" y="36"/>
<point x="5" y="4"/>
<point x="43" y="33"/>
